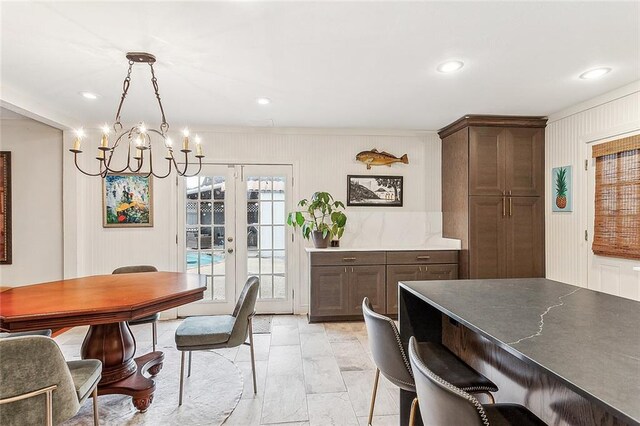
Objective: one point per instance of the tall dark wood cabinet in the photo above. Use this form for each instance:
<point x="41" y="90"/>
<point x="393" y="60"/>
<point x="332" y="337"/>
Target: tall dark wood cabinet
<point x="493" y="194"/>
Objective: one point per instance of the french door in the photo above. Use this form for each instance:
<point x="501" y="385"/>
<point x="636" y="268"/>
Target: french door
<point x="233" y="219"/>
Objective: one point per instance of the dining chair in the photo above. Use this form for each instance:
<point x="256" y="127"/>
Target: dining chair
<point x="39" y="387"/>
<point x="220" y="331"/>
<point x="443" y="404"/>
<point x="150" y="319"/>
<point x="391" y="360"/>
<point x="46" y="333"/>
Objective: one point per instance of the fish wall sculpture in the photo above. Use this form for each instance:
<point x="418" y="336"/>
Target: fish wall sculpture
<point x="376" y="158"/>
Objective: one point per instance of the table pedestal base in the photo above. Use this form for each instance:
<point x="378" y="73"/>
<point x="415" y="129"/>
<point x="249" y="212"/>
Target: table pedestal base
<point x="115" y="346"/>
<point x="137" y="386"/>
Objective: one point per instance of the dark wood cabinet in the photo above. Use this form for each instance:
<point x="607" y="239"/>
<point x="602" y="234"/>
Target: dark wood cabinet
<point x="423" y="272"/>
<point x="339" y="280"/>
<point x="330" y="292"/>
<point x="493" y="194"/>
<point x="506" y="161"/>
<point x="366" y="281"/>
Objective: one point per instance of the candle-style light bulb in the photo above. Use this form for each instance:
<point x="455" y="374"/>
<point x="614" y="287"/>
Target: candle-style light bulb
<point x="104" y="143"/>
<point x="78" y="140"/>
<point x="169" y="144"/>
<point x="185" y="141"/>
<point x="142" y="128"/>
<point x="198" y="146"/>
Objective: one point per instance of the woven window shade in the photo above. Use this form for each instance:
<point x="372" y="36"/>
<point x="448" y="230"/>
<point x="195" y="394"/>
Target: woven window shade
<point x="617" y="198"/>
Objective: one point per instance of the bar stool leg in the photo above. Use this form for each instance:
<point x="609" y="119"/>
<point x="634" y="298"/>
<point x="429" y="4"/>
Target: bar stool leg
<point x="412" y="413"/>
<point x="373" y="396"/>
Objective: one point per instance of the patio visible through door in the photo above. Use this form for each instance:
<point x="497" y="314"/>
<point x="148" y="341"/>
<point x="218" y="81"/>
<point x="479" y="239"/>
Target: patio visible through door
<point x="234" y="222"/>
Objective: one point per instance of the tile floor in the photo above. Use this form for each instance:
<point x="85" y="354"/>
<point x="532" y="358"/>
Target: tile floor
<point x="308" y="374"/>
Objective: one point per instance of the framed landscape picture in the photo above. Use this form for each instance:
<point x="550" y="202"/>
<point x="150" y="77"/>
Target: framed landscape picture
<point x="5" y="207"/>
<point x="127" y="201"/>
<point x="368" y="190"/>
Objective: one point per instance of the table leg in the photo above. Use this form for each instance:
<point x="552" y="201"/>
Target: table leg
<point x="115" y="346"/>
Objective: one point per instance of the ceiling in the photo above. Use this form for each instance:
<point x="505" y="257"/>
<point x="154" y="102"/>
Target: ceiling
<point x="323" y="64"/>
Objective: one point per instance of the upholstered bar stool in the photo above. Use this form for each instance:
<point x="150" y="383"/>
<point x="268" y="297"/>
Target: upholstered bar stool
<point x="220" y="331"/>
<point x="443" y="404"/>
<point x="151" y="319"/>
<point x="391" y="360"/>
<point x="39" y="387"/>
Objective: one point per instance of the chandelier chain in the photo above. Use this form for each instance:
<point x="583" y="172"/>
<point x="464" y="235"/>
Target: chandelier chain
<point x="125" y="88"/>
<point x="164" y="127"/>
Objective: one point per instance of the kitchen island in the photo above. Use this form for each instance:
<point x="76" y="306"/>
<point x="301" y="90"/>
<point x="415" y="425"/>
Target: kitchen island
<point x="569" y="354"/>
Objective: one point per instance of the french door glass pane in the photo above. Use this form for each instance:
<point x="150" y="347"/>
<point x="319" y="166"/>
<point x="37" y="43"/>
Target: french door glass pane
<point x="266" y="234"/>
<point x="205" y="233"/>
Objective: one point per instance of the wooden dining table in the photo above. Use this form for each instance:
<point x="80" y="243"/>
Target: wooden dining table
<point x="105" y="303"/>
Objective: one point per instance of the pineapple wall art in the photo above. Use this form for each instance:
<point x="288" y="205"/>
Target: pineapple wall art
<point x="562" y="189"/>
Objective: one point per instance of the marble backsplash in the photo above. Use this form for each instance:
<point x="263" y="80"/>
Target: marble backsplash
<point x="391" y="229"/>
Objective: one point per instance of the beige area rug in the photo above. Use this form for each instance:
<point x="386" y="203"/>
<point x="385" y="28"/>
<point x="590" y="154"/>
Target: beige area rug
<point x="210" y="395"/>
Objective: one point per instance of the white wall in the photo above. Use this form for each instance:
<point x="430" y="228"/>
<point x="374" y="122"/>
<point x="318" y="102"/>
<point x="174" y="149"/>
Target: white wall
<point x="569" y="134"/>
<point x="321" y="160"/>
<point x="36" y="168"/>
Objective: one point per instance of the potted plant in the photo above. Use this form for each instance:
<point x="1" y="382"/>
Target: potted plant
<point x="321" y="220"/>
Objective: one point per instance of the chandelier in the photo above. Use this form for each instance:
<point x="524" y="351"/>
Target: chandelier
<point x="138" y="139"/>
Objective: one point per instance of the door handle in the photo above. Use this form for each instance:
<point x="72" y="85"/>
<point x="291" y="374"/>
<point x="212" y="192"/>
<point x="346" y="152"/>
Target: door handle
<point x="230" y="250"/>
<point x="348" y="259"/>
<point x="230" y="239"/>
<point x="504" y="206"/>
<point x="510" y="206"/>
<point x="423" y="257"/>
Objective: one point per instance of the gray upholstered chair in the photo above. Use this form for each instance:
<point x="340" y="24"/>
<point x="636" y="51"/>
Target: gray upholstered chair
<point x="391" y="360"/>
<point x="46" y="333"/>
<point x="150" y="319"/>
<point x="443" y="404"/>
<point x="39" y="387"/>
<point x="220" y="331"/>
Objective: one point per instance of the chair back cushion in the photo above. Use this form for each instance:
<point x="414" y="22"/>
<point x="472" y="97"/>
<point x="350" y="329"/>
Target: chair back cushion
<point x="386" y="348"/>
<point x="134" y="269"/>
<point x="28" y="364"/>
<point x="441" y="403"/>
<point x="245" y="306"/>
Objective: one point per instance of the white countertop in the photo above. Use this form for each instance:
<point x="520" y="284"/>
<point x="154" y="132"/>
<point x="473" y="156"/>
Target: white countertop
<point x="439" y="244"/>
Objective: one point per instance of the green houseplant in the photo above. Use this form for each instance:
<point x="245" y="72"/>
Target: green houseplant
<point x="321" y="219"/>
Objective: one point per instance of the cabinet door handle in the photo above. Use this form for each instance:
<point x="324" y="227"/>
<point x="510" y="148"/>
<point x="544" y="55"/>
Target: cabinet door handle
<point x="345" y="269"/>
<point x="348" y="259"/>
<point x="423" y="257"/>
<point x="510" y="205"/>
<point x="504" y="207"/>
<point x="352" y="269"/>
<point x="420" y="268"/>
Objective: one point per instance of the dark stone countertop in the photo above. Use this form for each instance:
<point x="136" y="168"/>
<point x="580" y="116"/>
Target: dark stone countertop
<point x="589" y="340"/>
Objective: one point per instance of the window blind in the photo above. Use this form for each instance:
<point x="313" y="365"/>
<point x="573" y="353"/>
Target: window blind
<point x="617" y="198"/>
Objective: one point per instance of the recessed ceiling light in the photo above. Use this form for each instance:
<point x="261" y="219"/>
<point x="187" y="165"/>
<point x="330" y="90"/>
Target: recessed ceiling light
<point x="263" y="101"/>
<point x="89" y="95"/>
<point x="450" y="66"/>
<point x="594" y="73"/>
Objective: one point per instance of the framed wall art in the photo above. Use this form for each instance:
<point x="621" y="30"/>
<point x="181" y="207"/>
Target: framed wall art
<point x="562" y="189"/>
<point x="127" y="201"/>
<point x="371" y="190"/>
<point x="5" y="207"/>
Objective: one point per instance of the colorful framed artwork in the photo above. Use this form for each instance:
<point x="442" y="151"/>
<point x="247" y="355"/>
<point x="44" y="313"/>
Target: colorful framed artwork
<point x="5" y="208"/>
<point x="562" y="183"/>
<point x="127" y="201"/>
<point x="370" y="190"/>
